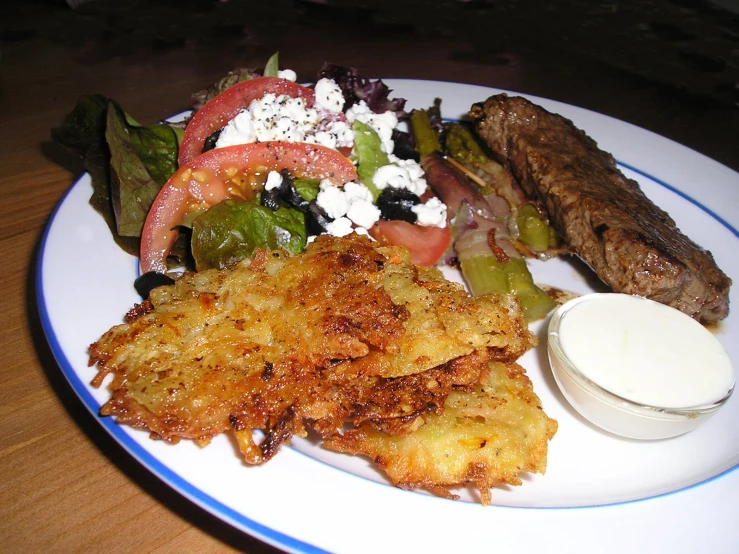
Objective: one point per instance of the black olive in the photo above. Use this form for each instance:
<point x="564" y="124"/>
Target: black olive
<point x="284" y="195"/>
<point x="403" y="148"/>
<point x="316" y="219"/>
<point x="289" y="193"/>
<point x="274" y="198"/>
<point x="210" y="142"/>
<point x="271" y="199"/>
<point x="149" y="281"/>
<point x="395" y="203"/>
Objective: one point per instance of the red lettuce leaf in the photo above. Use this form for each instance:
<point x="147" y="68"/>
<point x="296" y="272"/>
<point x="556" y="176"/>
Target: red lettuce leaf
<point x="355" y="88"/>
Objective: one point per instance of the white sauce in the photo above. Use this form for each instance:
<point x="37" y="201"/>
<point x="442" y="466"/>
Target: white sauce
<point x="645" y="352"/>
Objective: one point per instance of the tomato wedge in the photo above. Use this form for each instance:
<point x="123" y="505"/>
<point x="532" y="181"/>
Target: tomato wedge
<point x="227" y="105"/>
<point x="426" y="244"/>
<point x="206" y="182"/>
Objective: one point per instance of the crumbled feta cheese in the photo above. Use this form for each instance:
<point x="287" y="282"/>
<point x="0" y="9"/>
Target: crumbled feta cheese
<point x="329" y="95"/>
<point x="353" y="202"/>
<point x="382" y="123"/>
<point x="268" y="118"/>
<point x="414" y="168"/>
<point x="363" y="231"/>
<point x="356" y="191"/>
<point x="240" y="130"/>
<point x="343" y="132"/>
<point x="430" y="214"/>
<point x="406" y="177"/>
<point x="340" y="227"/>
<point x="285" y="118"/>
<point x="390" y="176"/>
<point x="363" y="212"/>
<point x="332" y="200"/>
<point x="323" y="138"/>
<point x="288" y="74"/>
<point x="274" y="180"/>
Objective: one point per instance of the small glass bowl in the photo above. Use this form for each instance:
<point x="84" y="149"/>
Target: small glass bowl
<point x="610" y="411"/>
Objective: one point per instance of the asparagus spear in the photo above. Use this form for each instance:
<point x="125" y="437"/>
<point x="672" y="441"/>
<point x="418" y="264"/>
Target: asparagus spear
<point x="427" y="140"/>
<point x="533" y="229"/>
<point x="485" y="269"/>
<point x="501" y="269"/>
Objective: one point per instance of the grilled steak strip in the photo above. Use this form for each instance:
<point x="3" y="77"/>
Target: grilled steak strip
<point x="605" y="218"/>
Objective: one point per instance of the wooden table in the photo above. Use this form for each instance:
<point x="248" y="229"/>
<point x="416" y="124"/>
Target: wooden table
<point x="65" y="485"/>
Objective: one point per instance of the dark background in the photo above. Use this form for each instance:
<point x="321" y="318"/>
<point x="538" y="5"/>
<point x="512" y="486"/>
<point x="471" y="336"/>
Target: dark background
<point x="669" y="65"/>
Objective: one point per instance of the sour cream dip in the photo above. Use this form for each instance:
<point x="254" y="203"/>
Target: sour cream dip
<point x="644" y="351"/>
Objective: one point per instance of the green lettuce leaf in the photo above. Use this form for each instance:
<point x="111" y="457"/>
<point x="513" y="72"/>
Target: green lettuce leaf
<point x="272" y="67"/>
<point x="230" y="231"/>
<point x="157" y="146"/>
<point x="308" y="190"/>
<point x="83" y="131"/>
<point x="132" y="189"/>
<point x="368" y="148"/>
<point x="127" y="162"/>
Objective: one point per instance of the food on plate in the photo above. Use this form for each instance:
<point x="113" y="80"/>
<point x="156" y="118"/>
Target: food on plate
<point x="289" y="318"/>
<point x="229" y="173"/>
<point x="603" y="217"/>
<point x="264" y="162"/>
<point x="345" y="334"/>
<point x="493" y="226"/>
<point x="160" y="195"/>
<point x="486" y="437"/>
<point x="218" y="112"/>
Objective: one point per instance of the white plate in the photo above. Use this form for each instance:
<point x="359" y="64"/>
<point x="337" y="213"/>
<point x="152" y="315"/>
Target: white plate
<point x="601" y="493"/>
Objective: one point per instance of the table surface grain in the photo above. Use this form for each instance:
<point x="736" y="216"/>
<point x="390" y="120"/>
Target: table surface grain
<point x="65" y="485"/>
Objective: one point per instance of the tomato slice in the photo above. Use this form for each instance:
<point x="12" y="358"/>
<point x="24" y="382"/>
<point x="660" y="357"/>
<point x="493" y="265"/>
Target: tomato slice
<point x="426" y="244"/>
<point x="227" y="105"/>
<point x="206" y="182"/>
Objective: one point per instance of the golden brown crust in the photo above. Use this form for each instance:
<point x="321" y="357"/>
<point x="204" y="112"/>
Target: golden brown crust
<point x="487" y="437"/>
<point x="346" y="333"/>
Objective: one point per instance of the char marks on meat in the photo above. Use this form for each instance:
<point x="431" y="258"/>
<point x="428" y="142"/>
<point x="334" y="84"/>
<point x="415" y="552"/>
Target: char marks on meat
<point x="604" y="217"/>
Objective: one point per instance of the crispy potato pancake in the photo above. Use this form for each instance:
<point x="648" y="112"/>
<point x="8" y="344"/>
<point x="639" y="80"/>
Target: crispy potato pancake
<point x="347" y="331"/>
<point x="486" y="437"/>
<point x="445" y="322"/>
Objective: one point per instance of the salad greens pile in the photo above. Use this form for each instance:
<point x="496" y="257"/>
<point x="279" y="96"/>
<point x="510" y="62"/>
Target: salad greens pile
<point x="355" y="88"/>
<point x="229" y="231"/>
<point x="127" y="162"/>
